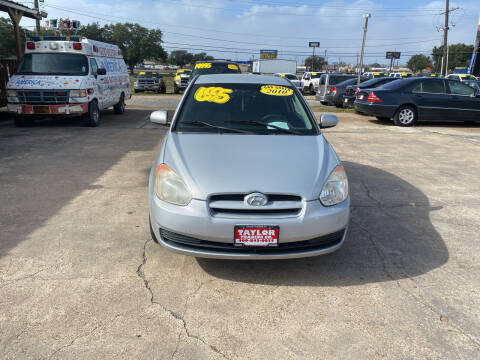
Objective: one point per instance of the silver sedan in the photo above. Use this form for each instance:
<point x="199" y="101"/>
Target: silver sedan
<point x="245" y="173"/>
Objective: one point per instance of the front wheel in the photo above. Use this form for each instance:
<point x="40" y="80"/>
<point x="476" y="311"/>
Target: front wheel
<point x="92" y="117"/>
<point x="119" y="108"/>
<point x="405" y="116"/>
<point x="311" y="90"/>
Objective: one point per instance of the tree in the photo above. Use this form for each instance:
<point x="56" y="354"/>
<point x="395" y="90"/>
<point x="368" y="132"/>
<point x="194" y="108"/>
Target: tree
<point x="202" y="56"/>
<point x="459" y="55"/>
<point x="419" y="62"/>
<point x="7" y="40"/>
<point x="315" y="62"/>
<point x="180" y="57"/>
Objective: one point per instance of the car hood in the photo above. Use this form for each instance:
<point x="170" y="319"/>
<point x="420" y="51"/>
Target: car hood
<point x="45" y="82"/>
<point x="231" y="163"/>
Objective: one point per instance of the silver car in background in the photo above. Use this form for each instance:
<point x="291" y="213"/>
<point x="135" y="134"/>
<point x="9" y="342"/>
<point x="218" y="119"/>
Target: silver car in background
<point x="244" y="172"/>
<point x="293" y="79"/>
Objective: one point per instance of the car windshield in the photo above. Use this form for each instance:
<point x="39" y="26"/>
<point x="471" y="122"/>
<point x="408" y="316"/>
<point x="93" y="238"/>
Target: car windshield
<point x="53" y="64"/>
<point x="207" y="68"/>
<point x="291" y="77"/>
<point x="337" y="79"/>
<point x="144" y="75"/>
<point x="244" y="108"/>
<point x="316" y="75"/>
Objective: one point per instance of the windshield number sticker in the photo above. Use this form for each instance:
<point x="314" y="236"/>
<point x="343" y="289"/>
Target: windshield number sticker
<point x="276" y="90"/>
<point x="213" y="94"/>
<point x="232" y="67"/>
<point x="203" y="66"/>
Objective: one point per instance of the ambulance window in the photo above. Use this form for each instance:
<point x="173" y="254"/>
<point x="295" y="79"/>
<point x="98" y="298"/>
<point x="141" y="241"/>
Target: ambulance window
<point x="93" y="66"/>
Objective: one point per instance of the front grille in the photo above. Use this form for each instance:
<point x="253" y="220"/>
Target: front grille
<point x="146" y="82"/>
<point x="233" y="205"/>
<point x="43" y="96"/>
<point x="305" y="245"/>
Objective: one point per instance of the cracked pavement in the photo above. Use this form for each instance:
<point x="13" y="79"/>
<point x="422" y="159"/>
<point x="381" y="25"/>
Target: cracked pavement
<point x="80" y="276"/>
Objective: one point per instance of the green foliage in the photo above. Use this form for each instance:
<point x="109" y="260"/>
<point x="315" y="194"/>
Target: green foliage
<point x="459" y="55"/>
<point x="419" y="62"/>
<point x="7" y="40"/>
<point x="315" y="63"/>
<point x="182" y="57"/>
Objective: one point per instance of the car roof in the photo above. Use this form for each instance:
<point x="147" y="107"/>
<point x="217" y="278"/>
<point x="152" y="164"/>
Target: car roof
<point x="241" y="79"/>
<point x="216" y="61"/>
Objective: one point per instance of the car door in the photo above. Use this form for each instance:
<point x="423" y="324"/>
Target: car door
<point x="430" y="97"/>
<point x="98" y="84"/>
<point x="464" y="101"/>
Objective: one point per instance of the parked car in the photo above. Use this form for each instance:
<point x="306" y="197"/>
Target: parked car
<point x="149" y="81"/>
<point x="310" y="82"/>
<point x="293" y="79"/>
<point x="209" y="67"/>
<point x="180" y="81"/>
<point x="228" y="182"/>
<point x="327" y="80"/>
<point x="428" y="75"/>
<point x="411" y="100"/>
<point x="334" y="95"/>
<point x="374" y="75"/>
<point x="67" y="76"/>
<point x="401" y="75"/>
<point x="460" y="77"/>
<point x="351" y="91"/>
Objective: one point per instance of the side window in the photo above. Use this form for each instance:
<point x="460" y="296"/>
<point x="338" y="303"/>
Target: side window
<point x="93" y="66"/>
<point x="433" y="87"/>
<point x="457" y="88"/>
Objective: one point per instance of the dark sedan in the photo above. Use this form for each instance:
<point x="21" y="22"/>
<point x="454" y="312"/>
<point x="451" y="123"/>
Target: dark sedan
<point x="334" y="93"/>
<point x="351" y="92"/>
<point x="414" y="99"/>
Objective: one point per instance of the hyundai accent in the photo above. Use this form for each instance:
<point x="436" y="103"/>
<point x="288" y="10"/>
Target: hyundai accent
<point x="244" y="172"/>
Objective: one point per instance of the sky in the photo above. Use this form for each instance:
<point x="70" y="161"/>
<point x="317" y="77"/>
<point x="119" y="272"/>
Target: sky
<point x="238" y="30"/>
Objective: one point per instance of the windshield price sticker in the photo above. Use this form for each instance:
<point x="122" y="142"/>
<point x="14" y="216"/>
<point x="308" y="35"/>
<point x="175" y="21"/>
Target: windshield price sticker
<point x="203" y="66"/>
<point x="232" y="67"/>
<point x="276" y="90"/>
<point x="213" y="94"/>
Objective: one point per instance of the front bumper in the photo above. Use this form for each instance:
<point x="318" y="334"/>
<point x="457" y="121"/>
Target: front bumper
<point x="195" y="221"/>
<point x="60" y="109"/>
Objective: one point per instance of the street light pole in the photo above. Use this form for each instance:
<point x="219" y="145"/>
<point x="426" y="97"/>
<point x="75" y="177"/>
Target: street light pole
<point x="37" y="21"/>
<point x="365" y="26"/>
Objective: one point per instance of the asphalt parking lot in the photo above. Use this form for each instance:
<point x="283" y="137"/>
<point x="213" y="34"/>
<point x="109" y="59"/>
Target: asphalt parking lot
<point x="80" y="276"/>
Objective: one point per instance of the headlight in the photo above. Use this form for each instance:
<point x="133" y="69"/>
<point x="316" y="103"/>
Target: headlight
<point x="170" y="187"/>
<point x="335" y="189"/>
<point x="11" y="93"/>
<point x="78" y="93"/>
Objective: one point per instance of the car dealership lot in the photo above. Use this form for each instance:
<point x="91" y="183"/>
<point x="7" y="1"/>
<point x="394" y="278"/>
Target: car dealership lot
<point x="80" y="276"/>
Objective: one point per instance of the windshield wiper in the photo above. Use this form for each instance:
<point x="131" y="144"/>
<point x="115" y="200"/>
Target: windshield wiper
<point x="252" y="122"/>
<point x="215" y="126"/>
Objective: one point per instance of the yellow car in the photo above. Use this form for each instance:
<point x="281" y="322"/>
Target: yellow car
<point x="180" y="81"/>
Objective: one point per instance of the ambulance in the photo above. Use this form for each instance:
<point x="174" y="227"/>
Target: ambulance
<point x="68" y="76"/>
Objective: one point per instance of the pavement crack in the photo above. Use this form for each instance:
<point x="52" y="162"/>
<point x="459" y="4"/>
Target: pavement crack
<point x="73" y="341"/>
<point x="174" y="314"/>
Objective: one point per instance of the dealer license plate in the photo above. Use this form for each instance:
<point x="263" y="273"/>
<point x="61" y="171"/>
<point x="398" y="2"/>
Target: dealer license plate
<point x="256" y="235"/>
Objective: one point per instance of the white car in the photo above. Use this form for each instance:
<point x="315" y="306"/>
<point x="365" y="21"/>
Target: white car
<point x="293" y="79"/>
<point x="460" y="77"/>
<point x="310" y="82"/>
<point x="68" y="76"/>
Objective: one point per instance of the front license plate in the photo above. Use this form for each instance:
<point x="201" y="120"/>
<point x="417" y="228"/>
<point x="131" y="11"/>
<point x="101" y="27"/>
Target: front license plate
<point x="256" y="235"/>
<point x="41" y="109"/>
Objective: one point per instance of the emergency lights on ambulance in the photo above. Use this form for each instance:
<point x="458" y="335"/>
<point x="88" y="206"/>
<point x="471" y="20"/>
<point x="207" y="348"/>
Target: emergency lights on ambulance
<point x="77" y="46"/>
<point x="30" y="45"/>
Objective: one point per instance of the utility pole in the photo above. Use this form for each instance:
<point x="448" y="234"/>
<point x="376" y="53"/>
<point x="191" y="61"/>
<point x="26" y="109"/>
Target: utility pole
<point x="445" y="37"/>
<point x="365" y="26"/>
<point x="37" y="21"/>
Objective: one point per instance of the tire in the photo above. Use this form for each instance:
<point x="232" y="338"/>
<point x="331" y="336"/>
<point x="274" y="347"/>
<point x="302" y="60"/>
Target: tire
<point x="22" y="121"/>
<point x="381" y="118"/>
<point x="340" y="106"/>
<point x="92" y="117"/>
<point x="311" y="90"/>
<point x="119" y="108"/>
<point x="324" y="103"/>
<point x="163" y="90"/>
<point x="405" y="116"/>
<point x="176" y="90"/>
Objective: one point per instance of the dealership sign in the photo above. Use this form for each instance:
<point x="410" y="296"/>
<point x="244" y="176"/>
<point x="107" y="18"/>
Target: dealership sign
<point x="268" y="54"/>
<point x="313" y="44"/>
<point x="393" y="55"/>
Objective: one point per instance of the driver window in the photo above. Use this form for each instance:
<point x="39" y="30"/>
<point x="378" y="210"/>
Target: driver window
<point x="93" y="66"/>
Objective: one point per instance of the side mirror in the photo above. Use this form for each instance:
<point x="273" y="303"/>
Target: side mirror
<point x="101" y="71"/>
<point x="159" y="117"/>
<point x="328" y="121"/>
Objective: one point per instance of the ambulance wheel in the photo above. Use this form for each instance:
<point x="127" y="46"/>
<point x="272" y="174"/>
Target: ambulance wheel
<point x="93" y="116"/>
<point x="119" y="108"/>
<point x="22" y="121"/>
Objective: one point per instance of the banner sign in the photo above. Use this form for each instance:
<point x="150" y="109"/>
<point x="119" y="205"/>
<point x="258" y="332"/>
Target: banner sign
<point x="268" y="54"/>
<point x="393" y="55"/>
